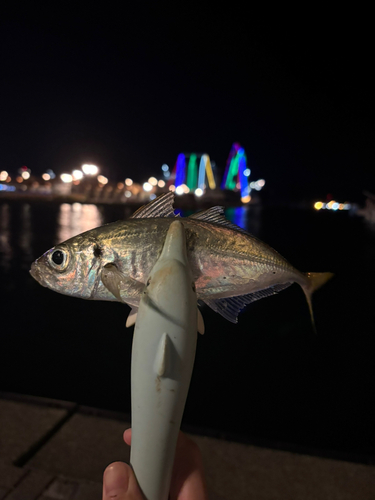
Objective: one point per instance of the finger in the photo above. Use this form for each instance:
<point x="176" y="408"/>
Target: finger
<point x="188" y="472"/>
<point x="127" y="436"/>
<point x="120" y="483"/>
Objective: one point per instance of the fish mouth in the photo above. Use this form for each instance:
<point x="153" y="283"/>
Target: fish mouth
<point x="36" y="274"/>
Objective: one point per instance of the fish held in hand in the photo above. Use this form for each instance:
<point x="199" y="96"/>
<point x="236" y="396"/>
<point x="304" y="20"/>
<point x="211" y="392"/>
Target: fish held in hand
<point x="230" y="267"/>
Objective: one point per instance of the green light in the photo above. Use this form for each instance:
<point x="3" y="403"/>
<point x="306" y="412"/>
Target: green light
<point x="192" y="175"/>
<point x="232" y="174"/>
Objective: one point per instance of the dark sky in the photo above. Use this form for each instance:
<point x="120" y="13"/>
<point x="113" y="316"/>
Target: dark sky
<point x="130" y="90"/>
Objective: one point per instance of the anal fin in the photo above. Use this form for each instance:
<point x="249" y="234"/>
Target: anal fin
<point x="230" y="307"/>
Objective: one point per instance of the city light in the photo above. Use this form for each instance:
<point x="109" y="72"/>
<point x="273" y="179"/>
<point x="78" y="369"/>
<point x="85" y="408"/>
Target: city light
<point x="194" y="175"/>
<point x="257" y="185"/>
<point x="102" y="179"/>
<point x="90" y="169"/>
<point x="332" y="205"/>
<point x="77" y="175"/>
<point x="4" y="187"/>
<point x="166" y="172"/>
<point x="66" y="178"/>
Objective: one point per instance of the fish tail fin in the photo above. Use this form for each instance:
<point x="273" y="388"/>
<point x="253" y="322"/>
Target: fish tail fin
<point x="315" y="281"/>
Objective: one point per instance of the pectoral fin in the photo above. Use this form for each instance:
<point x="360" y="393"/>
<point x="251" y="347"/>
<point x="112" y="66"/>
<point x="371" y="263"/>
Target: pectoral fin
<point x="120" y="285"/>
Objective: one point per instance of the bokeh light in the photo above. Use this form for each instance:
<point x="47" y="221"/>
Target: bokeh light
<point x="66" y="178"/>
<point x="102" y="179"/>
<point x="89" y="169"/>
<point x="77" y="175"/>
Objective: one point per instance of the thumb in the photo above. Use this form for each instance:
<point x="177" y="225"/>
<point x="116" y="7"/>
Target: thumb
<point x="119" y="483"/>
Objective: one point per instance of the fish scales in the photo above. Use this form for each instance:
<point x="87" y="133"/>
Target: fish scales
<point x="113" y="262"/>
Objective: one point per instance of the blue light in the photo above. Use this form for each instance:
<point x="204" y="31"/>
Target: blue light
<point x="180" y="170"/>
<point x="237" y="215"/>
<point x="247" y="172"/>
<point x="243" y="178"/>
<point x="4" y="187"/>
<point x="165" y="167"/>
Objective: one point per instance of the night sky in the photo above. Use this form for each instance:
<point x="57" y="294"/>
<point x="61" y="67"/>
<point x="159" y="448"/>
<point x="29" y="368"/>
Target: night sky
<point x="129" y="90"/>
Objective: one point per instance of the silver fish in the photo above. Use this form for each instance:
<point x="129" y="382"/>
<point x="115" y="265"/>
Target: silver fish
<point x="230" y="267"/>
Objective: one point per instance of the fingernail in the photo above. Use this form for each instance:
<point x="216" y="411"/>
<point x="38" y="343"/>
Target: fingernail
<point x="116" y="478"/>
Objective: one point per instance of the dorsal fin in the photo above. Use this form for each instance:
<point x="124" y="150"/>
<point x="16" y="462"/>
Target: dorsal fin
<point x="162" y="206"/>
<point x="215" y="215"/>
<point x="231" y="307"/>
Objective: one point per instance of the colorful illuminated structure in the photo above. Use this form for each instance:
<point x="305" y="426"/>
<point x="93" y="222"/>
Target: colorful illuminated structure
<point x="193" y="172"/>
<point x="237" y="172"/>
<point x="187" y="171"/>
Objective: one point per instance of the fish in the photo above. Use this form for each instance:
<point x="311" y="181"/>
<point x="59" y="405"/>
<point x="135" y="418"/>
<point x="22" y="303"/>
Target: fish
<point x="230" y="267"/>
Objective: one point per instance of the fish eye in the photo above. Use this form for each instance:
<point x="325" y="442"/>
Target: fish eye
<point x="59" y="259"/>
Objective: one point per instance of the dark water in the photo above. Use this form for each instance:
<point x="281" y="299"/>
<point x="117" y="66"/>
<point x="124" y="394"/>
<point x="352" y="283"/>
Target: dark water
<point x="267" y="378"/>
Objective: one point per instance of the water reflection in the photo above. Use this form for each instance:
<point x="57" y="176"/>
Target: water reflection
<point x="75" y="219"/>
<point x="5" y="248"/>
<point x="25" y="237"/>
<point x="249" y="218"/>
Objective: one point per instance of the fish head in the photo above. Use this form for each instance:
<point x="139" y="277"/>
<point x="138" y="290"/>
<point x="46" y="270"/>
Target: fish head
<point x="71" y="268"/>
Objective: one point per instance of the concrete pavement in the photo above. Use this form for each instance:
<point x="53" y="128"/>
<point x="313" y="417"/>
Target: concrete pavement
<point x="51" y="450"/>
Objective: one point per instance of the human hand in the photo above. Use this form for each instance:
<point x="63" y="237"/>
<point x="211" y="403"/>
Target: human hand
<point x="187" y="481"/>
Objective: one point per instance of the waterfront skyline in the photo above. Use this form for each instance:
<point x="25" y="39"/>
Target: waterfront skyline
<point x="130" y="94"/>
